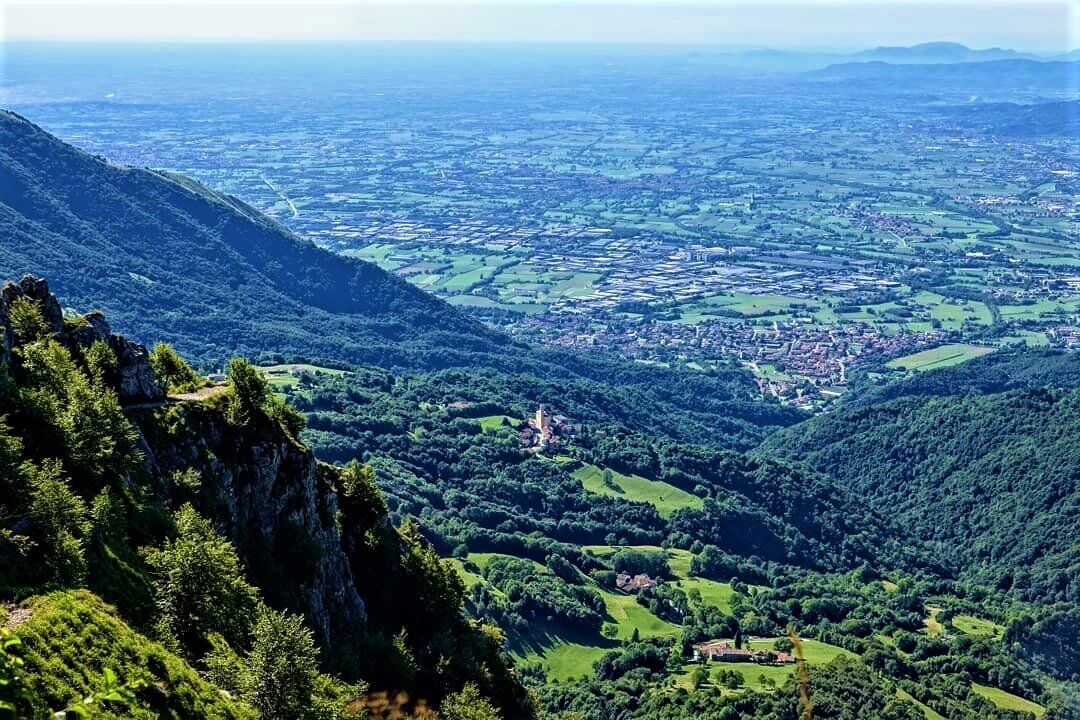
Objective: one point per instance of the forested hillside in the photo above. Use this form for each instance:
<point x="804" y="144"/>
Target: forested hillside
<point x="167" y="258"/>
<point x="740" y="548"/>
<point x="982" y="460"/>
<point x="162" y="541"/>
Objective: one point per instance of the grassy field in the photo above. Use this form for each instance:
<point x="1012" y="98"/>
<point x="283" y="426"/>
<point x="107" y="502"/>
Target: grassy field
<point x="678" y="560"/>
<point x="566" y="660"/>
<point x="492" y="423"/>
<point x="977" y="627"/>
<point x="933" y="627"/>
<point x="281" y="376"/>
<point x="939" y="357"/>
<point x="629" y="616"/>
<point x="1008" y="701"/>
<point x="929" y="713"/>
<point x="713" y="593"/>
<point x="664" y="497"/>
<point x="815" y="652"/>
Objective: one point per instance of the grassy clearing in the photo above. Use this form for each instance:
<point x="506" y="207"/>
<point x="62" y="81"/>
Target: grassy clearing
<point x="493" y="423"/>
<point x="928" y="712"/>
<point x="678" y="560"/>
<point x="933" y="627"/>
<point x="719" y="595"/>
<point x="468" y="577"/>
<point x="816" y="653"/>
<point x="664" y="497"/>
<point x="978" y="627"/>
<point x="629" y="616"/>
<point x="482" y="560"/>
<point x="1008" y="701"/>
<point x="939" y="357"/>
<point x="564" y="661"/>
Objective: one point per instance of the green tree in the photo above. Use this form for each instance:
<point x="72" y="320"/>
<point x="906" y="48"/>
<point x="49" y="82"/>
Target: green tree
<point x="27" y="323"/>
<point x="61" y="523"/>
<point x="248" y="394"/>
<point x="281" y="670"/>
<point x="200" y="586"/>
<point x="172" y="370"/>
<point x="468" y="704"/>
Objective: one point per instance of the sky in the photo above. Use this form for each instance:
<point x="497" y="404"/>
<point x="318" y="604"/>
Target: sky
<point x="1033" y="25"/>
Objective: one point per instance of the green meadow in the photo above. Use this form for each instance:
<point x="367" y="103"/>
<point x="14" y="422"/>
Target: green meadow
<point x="664" y="497"/>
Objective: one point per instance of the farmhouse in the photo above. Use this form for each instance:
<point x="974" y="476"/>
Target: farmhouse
<point x="724" y="651"/>
<point x="626" y="583"/>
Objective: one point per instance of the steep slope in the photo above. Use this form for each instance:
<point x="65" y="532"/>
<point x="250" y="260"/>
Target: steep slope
<point x="155" y="250"/>
<point x="992" y="479"/>
<point x="209" y="526"/>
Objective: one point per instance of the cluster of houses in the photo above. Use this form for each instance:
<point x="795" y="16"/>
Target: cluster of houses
<point x="546" y="431"/>
<point x="724" y="651"/>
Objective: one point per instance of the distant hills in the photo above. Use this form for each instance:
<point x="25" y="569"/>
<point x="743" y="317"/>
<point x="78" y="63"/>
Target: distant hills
<point x="936" y="52"/>
<point x="1017" y="120"/>
<point x="1029" y="76"/>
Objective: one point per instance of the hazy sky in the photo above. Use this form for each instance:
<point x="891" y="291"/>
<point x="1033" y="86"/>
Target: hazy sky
<point x="1046" y="25"/>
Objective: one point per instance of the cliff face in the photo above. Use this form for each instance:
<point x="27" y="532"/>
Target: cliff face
<point x="265" y="493"/>
<point x="259" y="486"/>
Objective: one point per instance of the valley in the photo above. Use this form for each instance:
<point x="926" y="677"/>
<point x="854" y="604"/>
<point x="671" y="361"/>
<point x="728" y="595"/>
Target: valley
<point x="593" y="384"/>
<point x="790" y="224"/>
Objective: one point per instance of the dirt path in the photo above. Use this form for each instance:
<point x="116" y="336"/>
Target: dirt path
<point x="16" y="615"/>
<point x="200" y="395"/>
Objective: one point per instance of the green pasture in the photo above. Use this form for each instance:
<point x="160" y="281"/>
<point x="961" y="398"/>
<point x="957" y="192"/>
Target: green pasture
<point x="664" y="497"/>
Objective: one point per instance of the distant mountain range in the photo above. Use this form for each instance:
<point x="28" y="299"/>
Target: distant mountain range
<point x="937" y="53"/>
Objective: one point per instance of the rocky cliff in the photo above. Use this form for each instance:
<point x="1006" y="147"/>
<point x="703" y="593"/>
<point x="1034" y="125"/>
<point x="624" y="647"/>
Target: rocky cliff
<point x="260" y="487"/>
<point x="265" y="493"/>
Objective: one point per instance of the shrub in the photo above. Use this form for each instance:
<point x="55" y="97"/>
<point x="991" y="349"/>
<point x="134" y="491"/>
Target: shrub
<point x="200" y="587"/>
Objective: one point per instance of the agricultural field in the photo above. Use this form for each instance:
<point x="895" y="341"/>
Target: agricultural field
<point x="977" y="627"/>
<point x="693" y="232"/>
<point x="939" y="357"/>
<point x="1008" y="701"/>
<point x="664" y="497"/>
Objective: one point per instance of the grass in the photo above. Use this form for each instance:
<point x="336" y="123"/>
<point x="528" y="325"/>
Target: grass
<point x="467" y="577"/>
<point x="664" y="497"/>
<point x="940" y="357"/>
<point x="564" y="661"/>
<point x="928" y="712"/>
<point x="1008" y="701"/>
<point x="494" y="423"/>
<point x="815" y="652"/>
<point x="678" y="560"/>
<point x="72" y="637"/>
<point x="482" y="560"/>
<point x="629" y="616"/>
<point x="281" y="376"/>
<point x="933" y="627"/>
<point x="978" y="627"/>
<point x="718" y="595"/>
